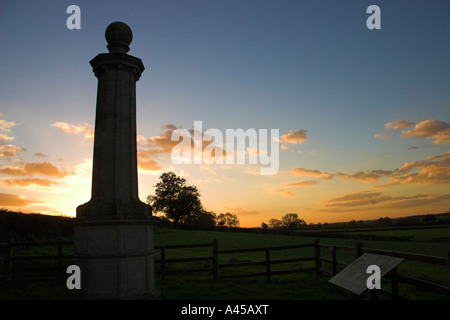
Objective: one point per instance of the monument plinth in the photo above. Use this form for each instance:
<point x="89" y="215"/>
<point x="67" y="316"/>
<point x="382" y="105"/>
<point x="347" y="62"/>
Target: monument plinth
<point x="114" y="235"/>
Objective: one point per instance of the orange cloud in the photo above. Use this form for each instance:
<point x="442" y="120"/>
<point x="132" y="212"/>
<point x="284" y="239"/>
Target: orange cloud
<point x="432" y="170"/>
<point x="302" y="172"/>
<point x="33" y="168"/>
<point x="399" y="124"/>
<point x="287" y="193"/>
<point x="393" y="126"/>
<point x="146" y="163"/>
<point x="161" y="144"/>
<point x="242" y="211"/>
<point x="369" y="176"/>
<point x="285" y="188"/>
<point x="9" y="151"/>
<point x="5" y="126"/>
<point x="368" y="200"/>
<point x="295" y="137"/>
<point x="303" y="183"/>
<point x="86" y="129"/>
<point x="27" y="182"/>
<point x="40" y="155"/>
<point x="12" y="200"/>
<point x="430" y="129"/>
<point x="382" y="135"/>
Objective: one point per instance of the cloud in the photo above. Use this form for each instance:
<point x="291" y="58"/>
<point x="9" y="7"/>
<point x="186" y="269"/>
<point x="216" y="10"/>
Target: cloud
<point x="287" y="187"/>
<point x="287" y="193"/>
<point x="146" y="163"/>
<point x="12" y="200"/>
<point x="392" y="127"/>
<point x="5" y="126"/>
<point x="86" y="129"/>
<point x="382" y="135"/>
<point x="432" y="170"/>
<point x="9" y="151"/>
<point x="369" y="176"/>
<point x="33" y="168"/>
<point x="302" y="172"/>
<point x="27" y="182"/>
<point x="161" y="144"/>
<point x="430" y="129"/>
<point x="40" y="155"/>
<point x="356" y="199"/>
<point x="399" y="124"/>
<point x="367" y="198"/>
<point x="242" y="211"/>
<point x="303" y="183"/>
<point x="419" y="200"/>
<point x="4" y="138"/>
<point x="295" y="137"/>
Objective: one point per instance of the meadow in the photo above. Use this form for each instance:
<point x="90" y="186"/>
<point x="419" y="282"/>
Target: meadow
<point x="181" y="284"/>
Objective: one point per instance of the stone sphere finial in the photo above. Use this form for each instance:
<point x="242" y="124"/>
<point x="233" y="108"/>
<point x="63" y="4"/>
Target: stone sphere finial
<point x="119" y="36"/>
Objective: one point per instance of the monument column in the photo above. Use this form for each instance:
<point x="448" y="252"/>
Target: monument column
<point x="114" y="235"/>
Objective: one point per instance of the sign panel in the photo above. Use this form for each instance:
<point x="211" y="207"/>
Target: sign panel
<point x="354" y="277"/>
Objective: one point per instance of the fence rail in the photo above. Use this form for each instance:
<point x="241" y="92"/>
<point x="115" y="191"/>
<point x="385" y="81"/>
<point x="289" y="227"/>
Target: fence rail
<point x="163" y="260"/>
<point x="267" y="262"/>
<point x="8" y="259"/>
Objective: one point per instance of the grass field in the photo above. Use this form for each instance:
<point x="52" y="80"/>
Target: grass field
<point x="297" y="286"/>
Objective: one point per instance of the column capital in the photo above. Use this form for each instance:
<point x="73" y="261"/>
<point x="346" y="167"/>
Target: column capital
<point x="116" y="60"/>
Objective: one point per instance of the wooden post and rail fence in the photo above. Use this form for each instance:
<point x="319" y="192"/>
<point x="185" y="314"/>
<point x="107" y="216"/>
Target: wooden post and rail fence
<point x="8" y="260"/>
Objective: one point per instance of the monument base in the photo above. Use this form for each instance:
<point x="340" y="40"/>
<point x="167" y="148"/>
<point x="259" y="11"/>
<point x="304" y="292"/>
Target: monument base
<point x="116" y="259"/>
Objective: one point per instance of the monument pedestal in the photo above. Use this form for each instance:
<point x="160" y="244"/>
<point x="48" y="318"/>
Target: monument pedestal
<point x="116" y="259"/>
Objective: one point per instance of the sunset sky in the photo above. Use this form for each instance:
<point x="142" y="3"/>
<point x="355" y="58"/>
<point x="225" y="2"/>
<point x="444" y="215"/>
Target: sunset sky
<point x="363" y="115"/>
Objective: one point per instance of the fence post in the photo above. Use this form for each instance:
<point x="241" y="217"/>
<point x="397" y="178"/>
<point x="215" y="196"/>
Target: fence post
<point x="215" y="259"/>
<point x="268" y="264"/>
<point x="163" y="263"/>
<point x="317" y="257"/>
<point x="59" y="261"/>
<point x="4" y="255"/>
<point x="9" y="259"/>
<point x="333" y="254"/>
<point x="394" y="283"/>
<point x="358" y="246"/>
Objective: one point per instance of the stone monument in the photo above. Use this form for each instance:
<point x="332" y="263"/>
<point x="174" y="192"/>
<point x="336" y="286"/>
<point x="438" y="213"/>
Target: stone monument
<point x="113" y="234"/>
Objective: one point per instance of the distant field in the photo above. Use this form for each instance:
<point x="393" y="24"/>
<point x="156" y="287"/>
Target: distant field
<point x="416" y="234"/>
<point x="423" y="240"/>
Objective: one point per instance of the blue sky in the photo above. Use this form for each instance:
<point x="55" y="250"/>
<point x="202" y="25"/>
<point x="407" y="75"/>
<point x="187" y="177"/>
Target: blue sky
<point x="290" y="65"/>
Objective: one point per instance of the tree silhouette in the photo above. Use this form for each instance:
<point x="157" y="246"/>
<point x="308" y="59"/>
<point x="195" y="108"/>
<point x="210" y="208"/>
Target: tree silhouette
<point x="177" y="200"/>
<point x="291" y="221"/>
<point x="227" y="220"/>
